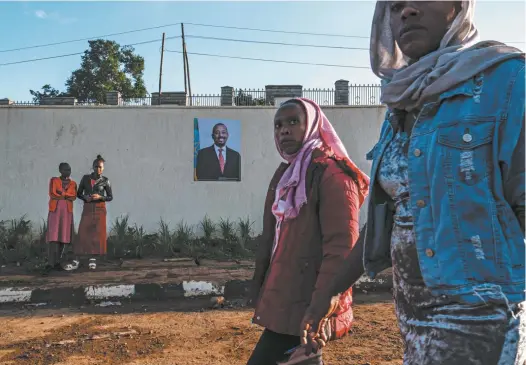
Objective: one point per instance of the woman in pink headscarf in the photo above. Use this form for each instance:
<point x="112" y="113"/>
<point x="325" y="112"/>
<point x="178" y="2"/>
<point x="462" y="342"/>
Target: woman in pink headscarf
<point x="310" y="225"/>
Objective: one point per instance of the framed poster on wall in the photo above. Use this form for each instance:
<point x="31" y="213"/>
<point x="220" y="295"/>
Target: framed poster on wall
<point x="216" y="150"/>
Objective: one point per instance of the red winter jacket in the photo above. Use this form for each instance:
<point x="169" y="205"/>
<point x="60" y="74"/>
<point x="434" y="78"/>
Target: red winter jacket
<point x="312" y="247"/>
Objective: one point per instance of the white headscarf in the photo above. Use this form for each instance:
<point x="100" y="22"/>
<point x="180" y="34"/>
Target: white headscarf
<point x="458" y="59"/>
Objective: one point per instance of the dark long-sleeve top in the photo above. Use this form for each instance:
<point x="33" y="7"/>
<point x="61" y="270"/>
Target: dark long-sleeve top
<point x="91" y="184"/>
<point x="352" y="268"/>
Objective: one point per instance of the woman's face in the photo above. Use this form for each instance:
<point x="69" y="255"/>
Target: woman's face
<point x="98" y="167"/>
<point x="65" y="171"/>
<point x="290" y="124"/>
<point x="419" y="26"/>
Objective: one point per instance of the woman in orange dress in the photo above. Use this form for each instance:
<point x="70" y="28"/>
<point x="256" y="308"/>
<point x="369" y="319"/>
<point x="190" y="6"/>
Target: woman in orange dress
<point x="95" y="190"/>
<point x="62" y="193"/>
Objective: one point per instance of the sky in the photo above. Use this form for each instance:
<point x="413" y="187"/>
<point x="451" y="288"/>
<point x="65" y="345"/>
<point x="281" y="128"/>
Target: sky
<point x="25" y="24"/>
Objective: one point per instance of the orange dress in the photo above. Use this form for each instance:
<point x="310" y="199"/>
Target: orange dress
<point x="62" y="193"/>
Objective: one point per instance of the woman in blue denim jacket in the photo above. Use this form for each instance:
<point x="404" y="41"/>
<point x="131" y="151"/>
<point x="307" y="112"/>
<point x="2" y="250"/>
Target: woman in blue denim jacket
<point x="447" y="191"/>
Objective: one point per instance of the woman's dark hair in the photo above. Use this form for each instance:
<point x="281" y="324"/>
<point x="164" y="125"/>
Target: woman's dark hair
<point x="63" y="164"/>
<point x="98" y="159"/>
<point x="342" y="164"/>
<point x="294" y="102"/>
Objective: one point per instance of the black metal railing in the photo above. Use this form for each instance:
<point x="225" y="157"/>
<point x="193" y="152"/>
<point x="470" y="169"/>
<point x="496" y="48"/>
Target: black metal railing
<point x="320" y="96"/>
<point x="205" y="100"/>
<point x="364" y="95"/>
<point x="359" y="95"/>
<point x="145" y="101"/>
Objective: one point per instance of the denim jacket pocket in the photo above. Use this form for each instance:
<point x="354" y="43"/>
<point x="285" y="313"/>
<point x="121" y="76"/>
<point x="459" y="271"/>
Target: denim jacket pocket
<point x="465" y="149"/>
<point x="464" y="159"/>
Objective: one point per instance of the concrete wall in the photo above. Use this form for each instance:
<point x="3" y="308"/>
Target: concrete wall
<point x="149" y="158"/>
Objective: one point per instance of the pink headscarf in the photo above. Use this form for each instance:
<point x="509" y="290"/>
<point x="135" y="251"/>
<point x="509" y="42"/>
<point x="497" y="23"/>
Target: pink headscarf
<point x="319" y="133"/>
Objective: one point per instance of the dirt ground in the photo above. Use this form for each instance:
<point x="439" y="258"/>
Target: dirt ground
<point x="156" y="334"/>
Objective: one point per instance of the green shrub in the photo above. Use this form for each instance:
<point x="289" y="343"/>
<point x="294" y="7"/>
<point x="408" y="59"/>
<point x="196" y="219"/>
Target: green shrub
<point x="208" y="227"/>
<point x="223" y="240"/>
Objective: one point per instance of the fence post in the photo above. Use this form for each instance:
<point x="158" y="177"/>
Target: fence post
<point x="282" y="91"/>
<point x="113" y="98"/>
<point x="170" y="98"/>
<point x="58" y="100"/>
<point x="227" y="96"/>
<point x="341" y="92"/>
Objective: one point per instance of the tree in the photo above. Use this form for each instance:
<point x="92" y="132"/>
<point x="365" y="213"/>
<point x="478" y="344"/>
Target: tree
<point x="106" y="66"/>
<point x="244" y="99"/>
<point x="47" y="92"/>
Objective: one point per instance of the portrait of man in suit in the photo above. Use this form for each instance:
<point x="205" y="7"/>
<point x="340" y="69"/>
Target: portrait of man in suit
<point x="218" y="161"/>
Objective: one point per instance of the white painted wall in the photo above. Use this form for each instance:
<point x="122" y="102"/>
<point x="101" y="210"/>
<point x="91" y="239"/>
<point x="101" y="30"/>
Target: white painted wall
<point x="149" y="158"/>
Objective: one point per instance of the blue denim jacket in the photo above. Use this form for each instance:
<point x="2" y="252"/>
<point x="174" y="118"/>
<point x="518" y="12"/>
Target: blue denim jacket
<point x="466" y="177"/>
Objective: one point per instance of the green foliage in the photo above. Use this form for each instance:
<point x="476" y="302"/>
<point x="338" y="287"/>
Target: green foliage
<point x="166" y="239"/>
<point x="244" y="99"/>
<point x="119" y="236"/>
<point x="130" y="241"/>
<point x="228" y="231"/>
<point x="106" y="66"/>
<point x="46" y="92"/>
<point x="208" y="227"/>
<point x="245" y="232"/>
<point x="20" y="244"/>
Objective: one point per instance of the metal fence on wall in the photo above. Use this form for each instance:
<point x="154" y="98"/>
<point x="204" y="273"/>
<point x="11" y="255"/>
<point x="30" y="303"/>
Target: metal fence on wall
<point x="358" y="95"/>
<point x="197" y="100"/>
<point x="206" y="100"/>
<point x="364" y="95"/>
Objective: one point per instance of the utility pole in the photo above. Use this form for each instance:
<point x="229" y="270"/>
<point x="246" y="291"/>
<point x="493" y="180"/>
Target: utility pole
<point x="161" y="70"/>
<point x="187" y="71"/>
<point x="184" y="60"/>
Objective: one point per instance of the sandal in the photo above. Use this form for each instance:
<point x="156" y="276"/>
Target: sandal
<point x="92" y="264"/>
<point x="73" y="266"/>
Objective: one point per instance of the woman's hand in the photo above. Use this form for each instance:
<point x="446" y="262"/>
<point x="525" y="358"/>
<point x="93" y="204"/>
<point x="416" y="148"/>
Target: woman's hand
<point x="95" y="197"/>
<point x="314" y="331"/>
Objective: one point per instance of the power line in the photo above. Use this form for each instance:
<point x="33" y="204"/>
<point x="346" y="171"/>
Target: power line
<point x="293" y="32"/>
<point x="276" y="43"/>
<point x="87" y="39"/>
<point x="77" y="53"/>
<point x="200" y="54"/>
<point x="171" y="25"/>
<point x="269" y="60"/>
<point x="194" y="24"/>
<point x="278" y="31"/>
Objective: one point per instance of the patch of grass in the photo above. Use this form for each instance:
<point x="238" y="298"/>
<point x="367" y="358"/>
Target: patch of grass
<point x="119" y="237"/>
<point x="17" y="230"/>
<point x="42" y="234"/>
<point x="208" y="227"/>
<point x="221" y="240"/>
<point x="143" y="244"/>
<point x="233" y="245"/>
<point x="18" y="243"/>
<point x="184" y="234"/>
<point x="246" y="237"/>
<point x="245" y="228"/>
<point x="166" y="239"/>
<point x="228" y="230"/>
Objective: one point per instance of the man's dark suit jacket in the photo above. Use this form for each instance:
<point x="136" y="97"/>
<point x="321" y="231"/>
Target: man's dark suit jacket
<point x="208" y="165"/>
